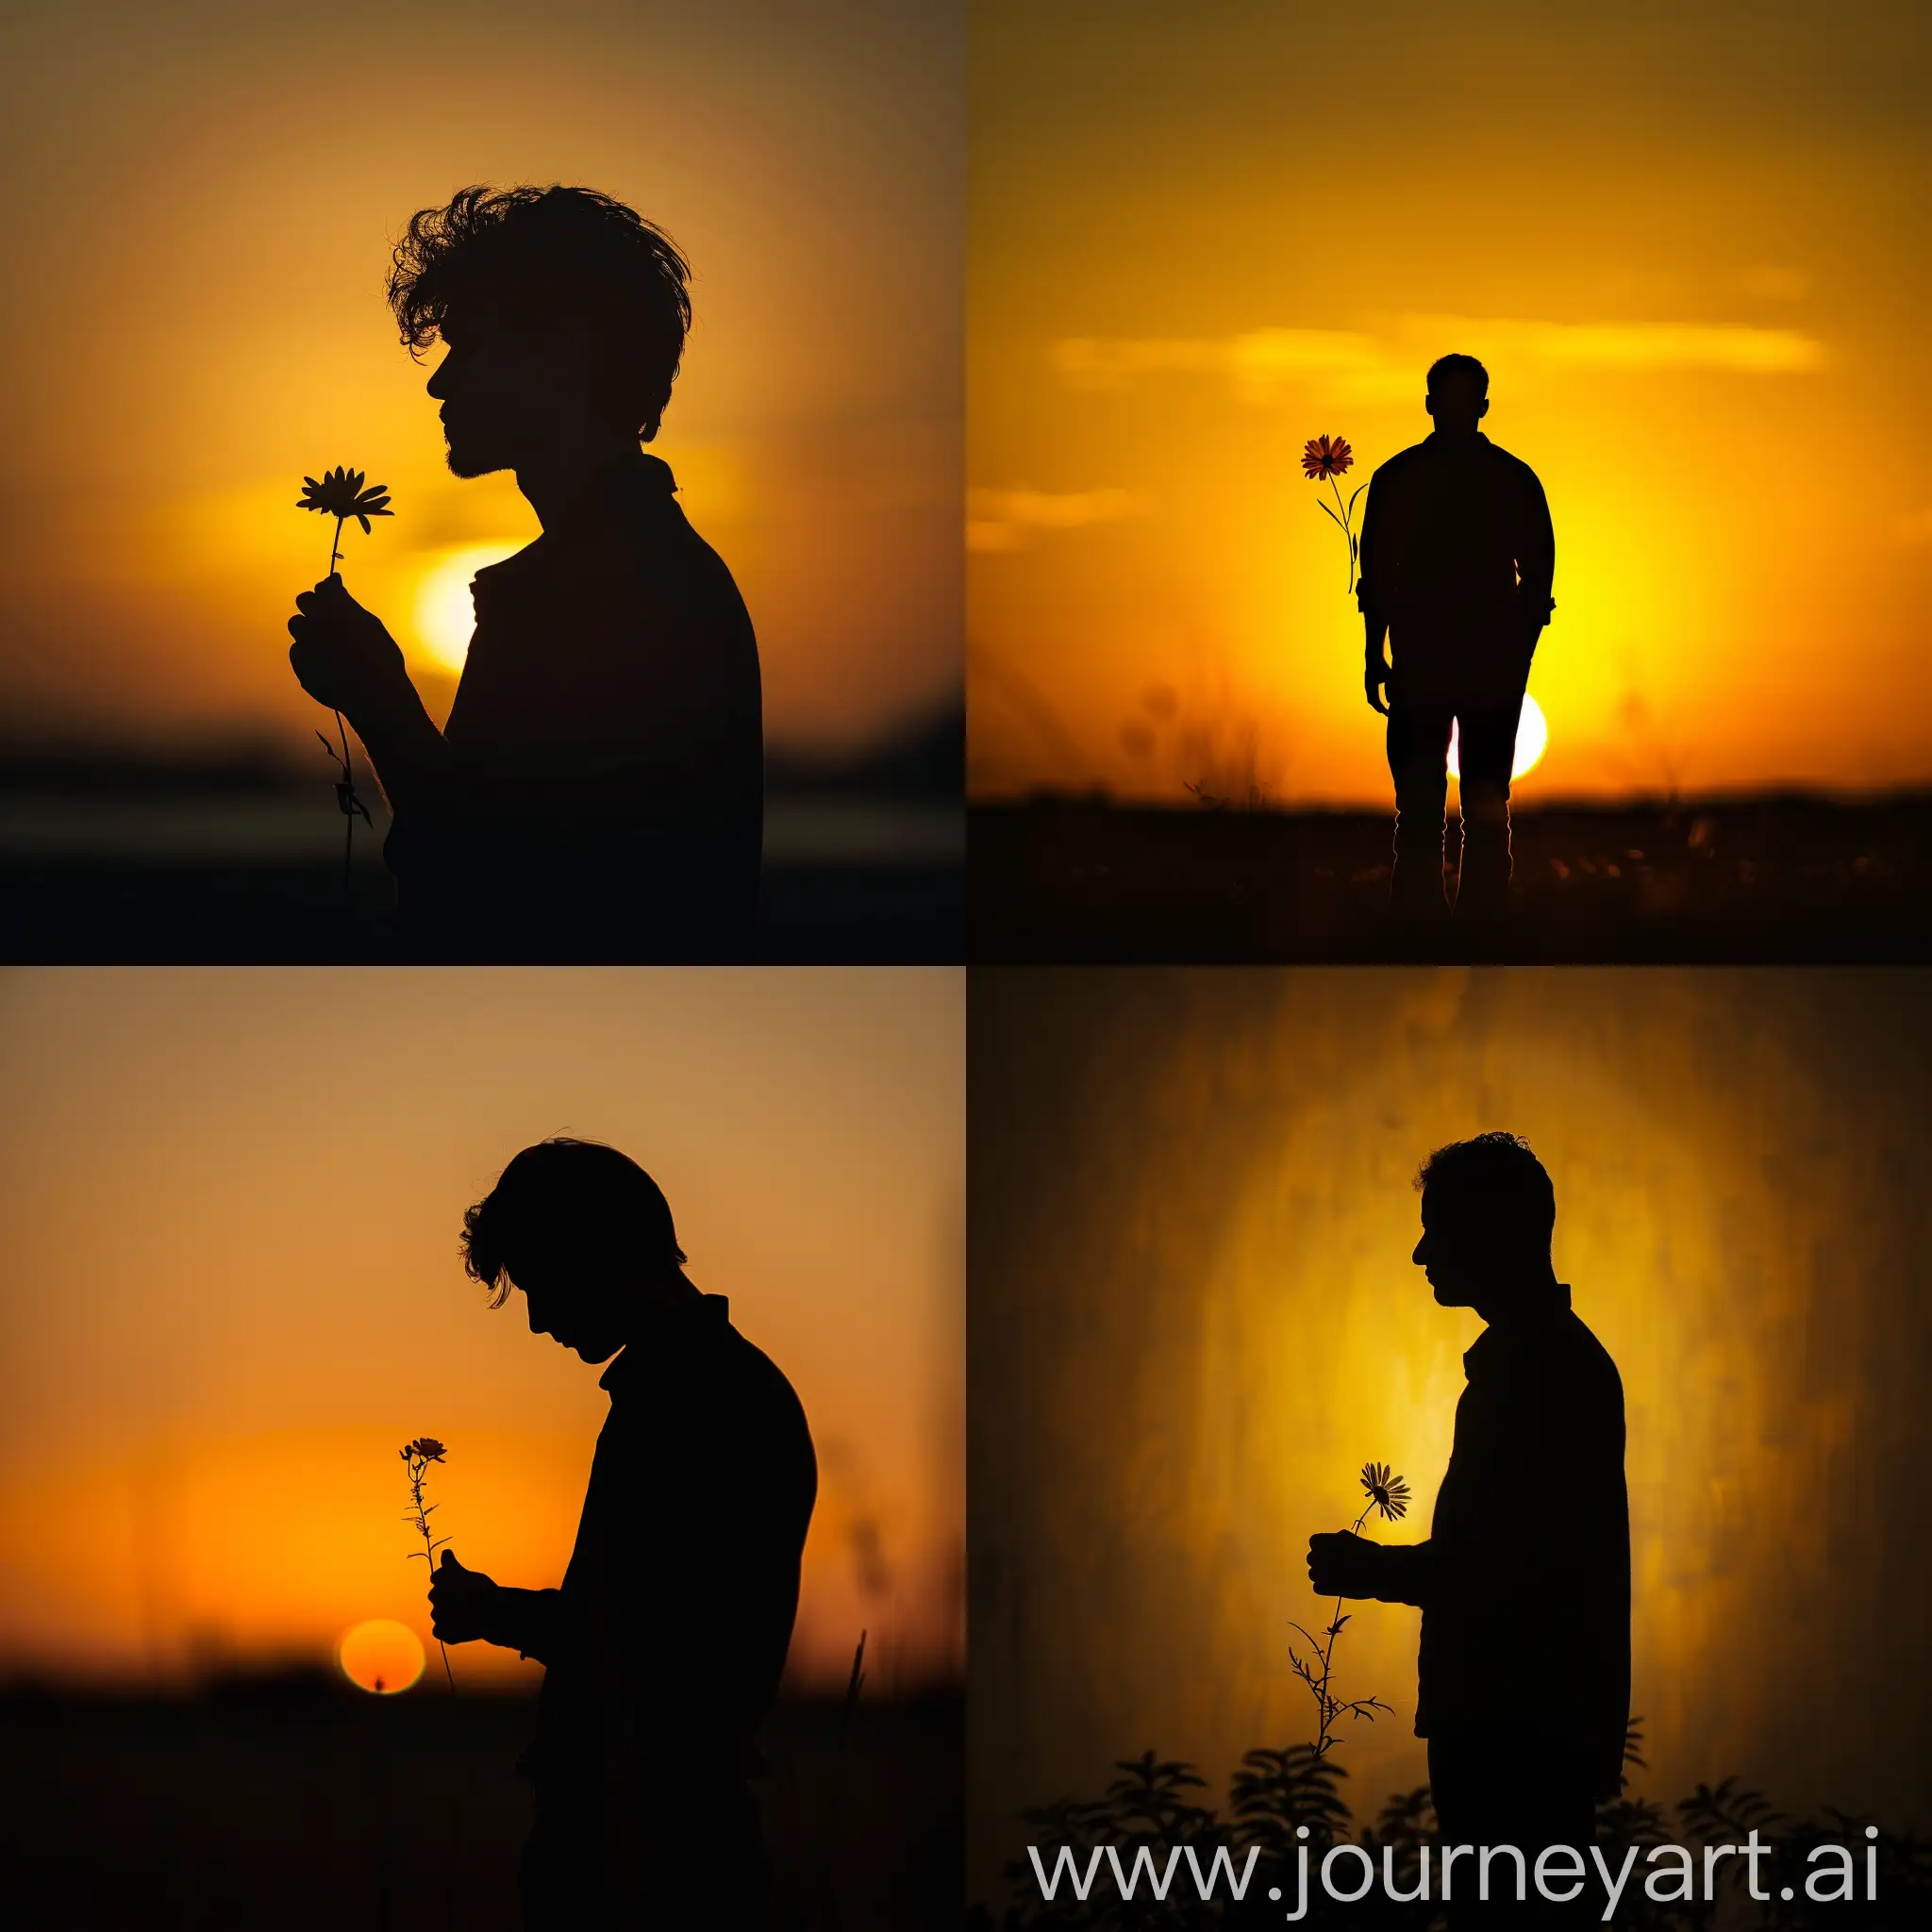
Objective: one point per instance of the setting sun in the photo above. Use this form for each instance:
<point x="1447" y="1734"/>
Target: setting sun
<point x="1532" y="735"/>
<point x="381" y="1655"/>
<point x="445" y="612"/>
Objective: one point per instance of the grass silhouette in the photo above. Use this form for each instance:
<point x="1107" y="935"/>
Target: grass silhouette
<point x="1275" y="1793"/>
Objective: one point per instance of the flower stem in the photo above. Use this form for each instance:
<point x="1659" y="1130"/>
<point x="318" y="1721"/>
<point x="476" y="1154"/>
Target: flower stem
<point x="417" y="1471"/>
<point x="1325" y="1702"/>
<point x="349" y="798"/>
<point x="1345" y="531"/>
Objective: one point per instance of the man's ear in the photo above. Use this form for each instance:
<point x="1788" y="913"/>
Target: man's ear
<point x="1482" y="409"/>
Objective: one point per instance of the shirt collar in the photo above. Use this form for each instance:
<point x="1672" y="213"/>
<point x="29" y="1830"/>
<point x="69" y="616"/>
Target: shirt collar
<point x="628" y="483"/>
<point x="1495" y="1341"/>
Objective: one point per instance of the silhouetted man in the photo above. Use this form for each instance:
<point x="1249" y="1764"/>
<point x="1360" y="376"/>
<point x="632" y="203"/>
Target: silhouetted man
<point x="1457" y="560"/>
<point x="598" y="790"/>
<point x="1525" y="1583"/>
<point x="663" y="1648"/>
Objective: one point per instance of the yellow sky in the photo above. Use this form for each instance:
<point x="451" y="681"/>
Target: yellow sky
<point x="201" y="203"/>
<point x="1195" y="1317"/>
<point x="230" y="1202"/>
<point x="1690" y="245"/>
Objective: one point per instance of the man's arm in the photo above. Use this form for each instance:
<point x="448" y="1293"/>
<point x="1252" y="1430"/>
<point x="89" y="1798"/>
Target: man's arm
<point x="1371" y="599"/>
<point x="1346" y="1565"/>
<point x="347" y="659"/>
<point x="1536" y="565"/>
<point x="467" y="1606"/>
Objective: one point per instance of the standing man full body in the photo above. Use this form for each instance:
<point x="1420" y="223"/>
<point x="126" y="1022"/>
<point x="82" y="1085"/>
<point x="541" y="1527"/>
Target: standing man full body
<point x="663" y="1647"/>
<point x="1457" y="555"/>
<point x="1525" y="1583"/>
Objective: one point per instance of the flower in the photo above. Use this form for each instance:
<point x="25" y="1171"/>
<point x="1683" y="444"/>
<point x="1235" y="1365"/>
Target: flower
<point x="1390" y="1494"/>
<point x="340" y="496"/>
<point x="428" y="1447"/>
<point x="1326" y="456"/>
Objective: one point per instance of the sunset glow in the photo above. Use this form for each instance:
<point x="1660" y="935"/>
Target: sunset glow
<point x="1195" y="1317"/>
<point x="1532" y="736"/>
<point x="215" y="196"/>
<point x="229" y="1206"/>
<point x="445" y="609"/>
<point x="381" y="1655"/>
<point x="1685" y="242"/>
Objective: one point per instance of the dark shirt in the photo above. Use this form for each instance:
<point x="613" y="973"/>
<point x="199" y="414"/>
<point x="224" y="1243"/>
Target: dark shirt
<point x="664" y="1646"/>
<point x="607" y="736"/>
<point x="1457" y="555"/>
<point x="1525" y="1583"/>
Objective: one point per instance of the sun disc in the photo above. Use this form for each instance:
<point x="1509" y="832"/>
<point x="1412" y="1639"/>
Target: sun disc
<point x="445" y="612"/>
<point x="381" y="1655"/>
<point x="1532" y="735"/>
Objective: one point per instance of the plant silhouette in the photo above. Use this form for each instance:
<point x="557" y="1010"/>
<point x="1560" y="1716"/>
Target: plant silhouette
<point x="1278" y="1791"/>
<point x="1390" y="1496"/>
<point x="339" y="494"/>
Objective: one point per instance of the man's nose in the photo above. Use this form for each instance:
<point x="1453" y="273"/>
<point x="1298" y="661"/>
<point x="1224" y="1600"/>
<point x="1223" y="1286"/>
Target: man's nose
<point x="1419" y="1257"/>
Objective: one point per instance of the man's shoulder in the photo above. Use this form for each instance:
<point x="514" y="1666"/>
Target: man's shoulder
<point x="1560" y="1351"/>
<point x="1511" y="466"/>
<point x="1401" y="463"/>
<point x="1590" y="1363"/>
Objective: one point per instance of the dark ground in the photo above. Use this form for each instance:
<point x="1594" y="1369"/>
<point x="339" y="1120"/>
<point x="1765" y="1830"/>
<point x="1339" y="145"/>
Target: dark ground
<point x="283" y="914"/>
<point x="234" y="856"/>
<point x="1776" y="879"/>
<point x="279" y="1804"/>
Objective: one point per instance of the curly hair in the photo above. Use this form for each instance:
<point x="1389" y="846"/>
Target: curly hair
<point x="577" y="1200"/>
<point x="1498" y="1172"/>
<point x="533" y="257"/>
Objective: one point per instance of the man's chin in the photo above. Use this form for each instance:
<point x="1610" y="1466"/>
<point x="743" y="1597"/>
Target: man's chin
<point x="468" y="462"/>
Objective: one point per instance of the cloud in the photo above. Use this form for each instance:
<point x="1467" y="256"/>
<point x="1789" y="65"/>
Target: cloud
<point x="1006" y="519"/>
<point x="1261" y="364"/>
<point x="1643" y="346"/>
<point x="1771" y="284"/>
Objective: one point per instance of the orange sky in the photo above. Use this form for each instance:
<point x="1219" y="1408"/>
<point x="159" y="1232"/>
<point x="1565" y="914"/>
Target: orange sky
<point x="199" y="211"/>
<point x="229" y="1203"/>
<point x="1689" y="242"/>
<point x="1195" y="1317"/>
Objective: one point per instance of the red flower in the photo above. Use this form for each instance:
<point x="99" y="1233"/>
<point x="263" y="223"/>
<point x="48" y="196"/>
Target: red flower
<point x="1326" y="456"/>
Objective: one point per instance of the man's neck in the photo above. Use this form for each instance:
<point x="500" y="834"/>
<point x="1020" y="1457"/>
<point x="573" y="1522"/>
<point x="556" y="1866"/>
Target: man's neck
<point x="1528" y="1299"/>
<point x="559" y="482"/>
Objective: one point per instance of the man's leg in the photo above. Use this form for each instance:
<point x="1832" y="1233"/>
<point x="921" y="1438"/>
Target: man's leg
<point x="1418" y="763"/>
<point x="561" y="1876"/>
<point x="1486" y="753"/>
<point x="1520" y="1789"/>
<point x="704" y="1867"/>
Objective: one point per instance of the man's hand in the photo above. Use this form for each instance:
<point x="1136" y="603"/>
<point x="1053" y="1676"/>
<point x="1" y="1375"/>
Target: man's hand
<point x="341" y="654"/>
<point x="1344" y="1564"/>
<point x="1374" y="675"/>
<point x="461" y="1603"/>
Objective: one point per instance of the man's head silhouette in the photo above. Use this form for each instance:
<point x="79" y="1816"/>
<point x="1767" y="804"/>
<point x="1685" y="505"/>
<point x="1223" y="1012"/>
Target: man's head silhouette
<point x="1489" y="1212"/>
<point x="563" y="314"/>
<point x="1459" y="396"/>
<point x="587" y="1234"/>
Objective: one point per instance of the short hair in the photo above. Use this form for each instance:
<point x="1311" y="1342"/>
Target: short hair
<point x="1499" y="1175"/>
<point x="577" y="1199"/>
<point x="534" y="257"/>
<point x="1455" y="371"/>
